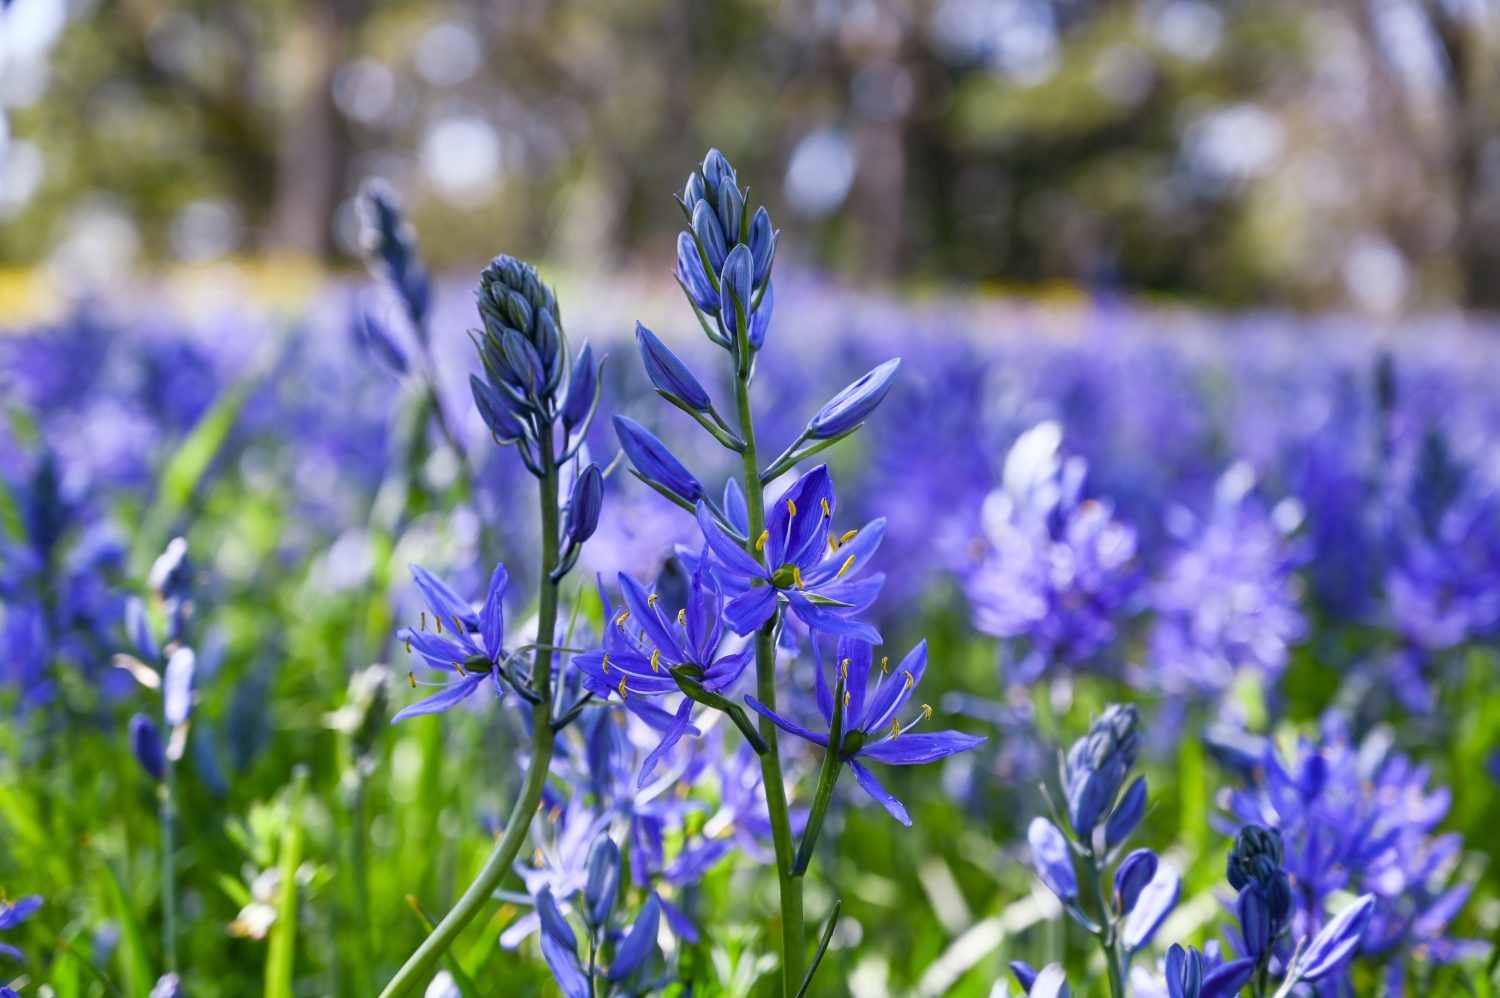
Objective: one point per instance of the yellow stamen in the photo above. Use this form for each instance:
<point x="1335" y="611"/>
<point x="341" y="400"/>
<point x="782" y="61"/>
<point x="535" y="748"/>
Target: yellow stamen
<point x="605" y="663"/>
<point x="910" y="679"/>
<point x="458" y="625"/>
<point x="797" y="577"/>
<point x="651" y="601"/>
<point x="412" y="678"/>
<point x="656" y="660"/>
<point x="408" y="644"/>
<point x="791" y="507"/>
<point x="460" y="669"/>
<point x="622" y="688"/>
<point x="826" y="510"/>
<point x="847" y="562"/>
<point x="760" y="542"/>
<point x="846" y="698"/>
<point x="885" y="660"/>
<point x="682" y="617"/>
<point x="895" y="730"/>
<point x="844" y="668"/>
<point x="620" y="619"/>
<point x="926" y="712"/>
<point x="424" y="620"/>
<point x="847" y="537"/>
<point x="438" y="620"/>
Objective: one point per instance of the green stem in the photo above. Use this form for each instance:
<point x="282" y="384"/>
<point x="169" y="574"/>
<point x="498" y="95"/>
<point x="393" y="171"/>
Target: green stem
<point x="792" y="956"/>
<point x="419" y="966"/>
<point x="168" y="815"/>
<point x="1109" y="937"/>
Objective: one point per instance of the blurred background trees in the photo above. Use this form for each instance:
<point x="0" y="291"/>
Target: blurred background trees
<point x="1344" y="151"/>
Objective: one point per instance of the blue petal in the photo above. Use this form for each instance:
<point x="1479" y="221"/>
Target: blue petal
<point x="1226" y="980"/>
<point x="668" y="374"/>
<point x="177" y="686"/>
<point x="914" y="750"/>
<point x="654" y="461"/>
<point x="895" y="690"/>
<point x="871" y="785"/>
<point x="442" y="600"/>
<point x="554" y="923"/>
<point x="848" y="408"/>
<point x="1052" y="859"/>
<point x="1155" y="904"/>
<point x="751" y="609"/>
<point x="784" y="724"/>
<point x="639" y="943"/>
<point x="735" y="509"/>
<point x="861" y="547"/>
<point x="1332" y="946"/>
<point x="450" y="696"/>
<point x="731" y="555"/>
<point x="565" y="969"/>
<point x="670" y="738"/>
<point x="821" y="618"/>
<point x="492" y="615"/>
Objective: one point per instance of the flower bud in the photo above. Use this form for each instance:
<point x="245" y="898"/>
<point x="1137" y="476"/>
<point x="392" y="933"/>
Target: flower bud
<point x="603" y="879"/>
<point x="639" y="942"/>
<point x="145" y="742"/>
<point x="760" y="321"/>
<point x="734" y="287"/>
<point x="553" y="922"/>
<point x="654" y="462"/>
<point x="1127" y="814"/>
<point x="710" y="235"/>
<point x="716" y="173"/>
<point x="762" y="240"/>
<point x="584" y="506"/>
<point x="731" y="207"/>
<point x="848" y="408"/>
<point x="1052" y="859"/>
<point x="583" y="385"/>
<point x="177" y="686"/>
<point x="1131" y="877"/>
<point x="668" y="374"/>
<point x="495" y="410"/>
<point x="693" y="277"/>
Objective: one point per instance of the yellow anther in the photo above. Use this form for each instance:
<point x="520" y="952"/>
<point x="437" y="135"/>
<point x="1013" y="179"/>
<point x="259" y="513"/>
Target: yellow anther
<point x="846" y="698"/>
<point x="760" y="542"/>
<point x="605" y="663"/>
<point x="895" y="730"/>
<point x="651" y="601"/>
<point x="622" y="688"/>
<point x="424" y="620"/>
<point x="460" y="669"/>
<point x="844" y="668"/>
<point x="847" y="537"/>
<point x="926" y="712"/>
<point x="797" y="577"/>
<point x="791" y="507"/>
<point x="910" y="679"/>
<point x="412" y="678"/>
<point x="826" y="510"/>
<point x="620" y="619"/>
<point x="682" y="617"/>
<point x="408" y="644"/>
<point x="458" y="625"/>
<point x="656" y="660"/>
<point x="438" y="620"/>
<point x="847" y="562"/>
<point x="885" y="660"/>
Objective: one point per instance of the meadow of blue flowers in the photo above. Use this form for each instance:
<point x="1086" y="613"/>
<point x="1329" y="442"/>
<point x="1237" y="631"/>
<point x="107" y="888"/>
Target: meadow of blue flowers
<point x="491" y="637"/>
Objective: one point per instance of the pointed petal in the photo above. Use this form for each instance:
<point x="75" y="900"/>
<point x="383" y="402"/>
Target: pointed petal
<point x="669" y="738"/>
<point x="735" y="508"/>
<point x="449" y="697"/>
<point x="638" y="601"/>
<point x="914" y="750"/>
<point x="897" y="688"/>
<point x="821" y="618"/>
<point x="820" y="682"/>
<point x="861" y="548"/>
<point x="442" y="600"/>
<point x="729" y="554"/>
<point x="492" y="616"/>
<point x="784" y="724"/>
<point x="1154" y="905"/>
<point x="639" y="943"/>
<point x="859" y="656"/>
<point x="563" y="963"/>
<point x="872" y="787"/>
<point x="751" y="609"/>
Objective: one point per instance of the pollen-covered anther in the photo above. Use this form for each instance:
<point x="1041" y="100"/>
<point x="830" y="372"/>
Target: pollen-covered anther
<point x="885" y="660"/>
<point x="791" y="508"/>
<point x="411" y="677"/>
<point x="605" y="663"/>
<point x="408" y="644"/>
<point x="826" y="510"/>
<point x="846" y="698"/>
<point x="844" y="668"/>
<point x="622" y="688"/>
<point x="656" y="660"/>
<point x="910" y="679"/>
<point x="926" y="712"/>
<point x="682" y="617"/>
<point x="458" y="625"/>
<point x="847" y="562"/>
<point x="847" y="536"/>
<point x="620" y="619"/>
<point x="895" y="729"/>
<point x="797" y="576"/>
<point x="437" y="620"/>
<point x="760" y="542"/>
<point x="651" y="600"/>
<point x="460" y="669"/>
<point x="424" y="621"/>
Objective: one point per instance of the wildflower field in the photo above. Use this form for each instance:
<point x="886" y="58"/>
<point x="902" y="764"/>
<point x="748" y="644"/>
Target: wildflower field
<point x="484" y="636"/>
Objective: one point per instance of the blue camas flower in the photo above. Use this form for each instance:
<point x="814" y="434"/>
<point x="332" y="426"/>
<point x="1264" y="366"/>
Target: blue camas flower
<point x="874" y="698"/>
<point x="1096" y="767"/>
<point x="12" y="914"/>
<point x="460" y="643"/>
<point x="653" y="463"/>
<point x="806" y="563"/>
<point x="669" y="375"/>
<point x="645" y="650"/>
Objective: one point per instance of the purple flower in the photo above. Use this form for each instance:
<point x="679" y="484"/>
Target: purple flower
<point x="461" y="642"/>
<point x="872" y="729"/>
<point x="806" y="563"/>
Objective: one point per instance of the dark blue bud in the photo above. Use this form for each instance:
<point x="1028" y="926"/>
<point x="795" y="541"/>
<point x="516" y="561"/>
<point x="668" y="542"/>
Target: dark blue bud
<point x="495" y="410"/>
<point x="603" y="879"/>
<point x="1052" y="859"/>
<point x="716" y="172"/>
<point x="583" y="385"/>
<point x="523" y="362"/>
<point x="731" y="207"/>
<point x="762" y="242"/>
<point x="848" y="408"/>
<point x="1025" y="974"/>
<point x="654" y="462"/>
<point x="549" y="346"/>
<point x="145" y="742"/>
<point x="1175" y="962"/>
<point x="553" y="922"/>
<point x="1332" y="946"/>
<point x="710" y="235"/>
<point x="373" y="335"/>
<point x="668" y="374"/>
<point x="1228" y="979"/>
<point x="734" y="286"/>
<point x="584" y="506"/>
<point x="1255" y="920"/>
<point x="639" y="942"/>
<point x="1131" y="877"/>
<point x="566" y="970"/>
<point x="693" y="277"/>
<point x="761" y="320"/>
<point x="694" y="191"/>
<point x="1127" y="814"/>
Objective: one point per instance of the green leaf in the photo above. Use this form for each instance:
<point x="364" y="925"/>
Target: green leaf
<point x="281" y="950"/>
<point x="134" y="960"/>
<point x="833" y="764"/>
<point x="812" y="968"/>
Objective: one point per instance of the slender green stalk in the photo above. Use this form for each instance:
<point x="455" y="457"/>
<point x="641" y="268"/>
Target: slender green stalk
<point x="419" y="966"/>
<point x="167" y="811"/>
<point x="1109" y="935"/>
<point x="792" y="956"/>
